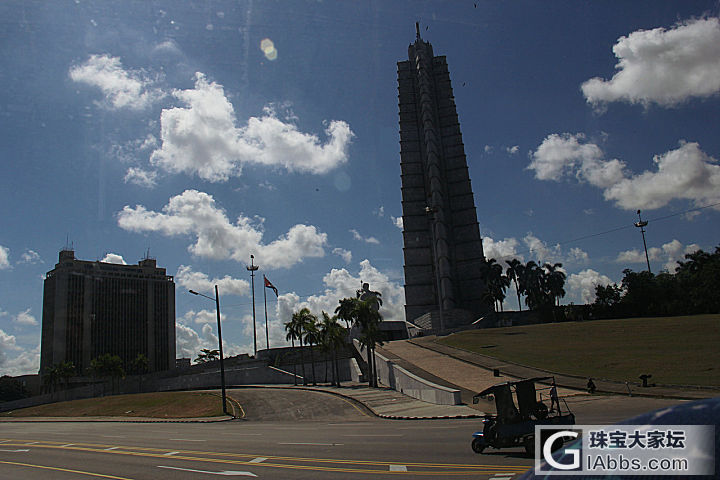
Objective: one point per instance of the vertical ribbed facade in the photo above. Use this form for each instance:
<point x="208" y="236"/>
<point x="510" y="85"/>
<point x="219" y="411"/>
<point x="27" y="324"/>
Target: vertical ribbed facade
<point x="94" y="308"/>
<point x="441" y="237"/>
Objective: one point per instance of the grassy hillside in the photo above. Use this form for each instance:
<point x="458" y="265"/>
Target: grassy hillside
<point x="162" y="405"/>
<point x="675" y="350"/>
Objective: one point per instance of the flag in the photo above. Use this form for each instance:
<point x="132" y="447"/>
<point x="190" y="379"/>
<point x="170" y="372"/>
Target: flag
<point x="270" y="285"/>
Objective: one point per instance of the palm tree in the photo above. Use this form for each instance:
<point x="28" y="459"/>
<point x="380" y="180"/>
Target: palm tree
<point x="65" y="371"/>
<point x="108" y="366"/>
<point x="332" y="336"/>
<point x="51" y="378"/>
<point x="555" y="282"/>
<point x="293" y="334"/>
<point x="366" y="316"/>
<point x="531" y="284"/>
<point x="311" y="338"/>
<point x="497" y="283"/>
<point x="140" y="366"/>
<point x="299" y="320"/>
<point x="207" y="355"/>
<point x="513" y="272"/>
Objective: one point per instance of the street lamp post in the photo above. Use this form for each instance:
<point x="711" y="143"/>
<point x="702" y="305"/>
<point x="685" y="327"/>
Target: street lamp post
<point x="641" y="225"/>
<point x="222" y="364"/>
<point x="252" y="268"/>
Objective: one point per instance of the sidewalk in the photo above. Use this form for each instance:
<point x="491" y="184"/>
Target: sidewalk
<point x="384" y="402"/>
<point x="473" y="360"/>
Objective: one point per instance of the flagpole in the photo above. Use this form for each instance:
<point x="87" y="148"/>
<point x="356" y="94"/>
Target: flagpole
<point x="267" y="336"/>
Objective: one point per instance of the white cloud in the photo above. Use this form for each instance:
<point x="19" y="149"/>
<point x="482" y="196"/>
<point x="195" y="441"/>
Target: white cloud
<point x="202" y="317"/>
<point x="203" y="139"/>
<point x="357" y="236"/>
<point x="15" y="360"/>
<point x="565" y="154"/>
<point x="577" y="255"/>
<point x="195" y="213"/>
<point x="512" y="150"/>
<point x="581" y="286"/>
<point x="397" y="221"/>
<point x="140" y="177"/>
<point x="114" y="258"/>
<point x="685" y="173"/>
<point x="488" y="148"/>
<point x="30" y="256"/>
<point x="346" y="255"/>
<point x="540" y="250"/>
<point x="25" y="318"/>
<point x="4" y="257"/>
<point x="121" y="88"/>
<point x="380" y="212"/>
<point x="501" y="250"/>
<point x="200" y="282"/>
<point x="188" y="342"/>
<point x="339" y="284"/>
<point x="669" y="253"/>
<point x="663" y="66"/>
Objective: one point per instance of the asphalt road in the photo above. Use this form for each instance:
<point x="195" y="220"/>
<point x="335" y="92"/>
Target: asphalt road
<point x="285" y="434"/>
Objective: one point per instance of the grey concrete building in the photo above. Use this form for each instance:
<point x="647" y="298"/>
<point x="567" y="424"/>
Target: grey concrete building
<point x="94" y="308"/>
<point x="443" y="252"/>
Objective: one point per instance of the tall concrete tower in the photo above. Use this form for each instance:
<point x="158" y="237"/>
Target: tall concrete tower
<point x="444" y="259"/>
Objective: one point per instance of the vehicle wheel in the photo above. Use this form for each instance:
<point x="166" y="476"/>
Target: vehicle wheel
<point x="529" y="444"/>
<point x="478" y="445"/>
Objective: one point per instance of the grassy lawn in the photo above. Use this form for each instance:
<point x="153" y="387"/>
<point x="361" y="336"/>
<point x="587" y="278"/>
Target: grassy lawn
<point x="162" y="405"/>
<point x="675" y="350"/>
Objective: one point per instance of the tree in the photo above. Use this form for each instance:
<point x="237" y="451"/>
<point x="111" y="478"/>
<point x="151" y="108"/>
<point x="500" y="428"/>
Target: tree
<point x="207" y="355"/>
<point x="108" y="365"/>
<point x="311" y="338"/>
<point x="11" y="389"/>
<point x="293" y="333"/>
<point x="299" y="321"/>
<point x="496" y="284"/>
<point x="57" y="374"/>
<point x="332" y="337"/>
<point x="514" y="272"/>
<point x="554" y="282"/>
<point x="366" y="316"/>
<point x="139" y="366"/>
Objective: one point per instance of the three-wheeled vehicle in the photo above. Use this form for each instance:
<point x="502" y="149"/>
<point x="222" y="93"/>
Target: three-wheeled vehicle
<point x="514" y="423"/>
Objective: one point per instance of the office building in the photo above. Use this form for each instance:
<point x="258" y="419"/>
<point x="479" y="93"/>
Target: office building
<point x="94" y="308"/>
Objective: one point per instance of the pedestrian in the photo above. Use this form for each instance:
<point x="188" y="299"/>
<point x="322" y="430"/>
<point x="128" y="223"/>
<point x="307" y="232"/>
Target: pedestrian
<point x="554" y="397"/>
<point x="591" y="386"/>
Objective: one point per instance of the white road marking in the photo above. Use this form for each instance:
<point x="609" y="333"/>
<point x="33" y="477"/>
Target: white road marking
<point x="258" y="460"/>
<point x="398" y="468"/>
<point x="170" y="453"/>
<point x="373" y="435"/>
<point x="17" y="450"/>
<point x="307" y="443"/>
<point x="224" y="472"/>
<point x="112" y="448"/>
<point x="4" y="441"/>
<point x="246" y="434"/>
<point x="186" y="440"/>
<point x="31" y="443"/>
<point x="68" y="445"/>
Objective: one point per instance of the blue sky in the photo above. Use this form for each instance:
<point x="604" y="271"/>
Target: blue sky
<point x="209" y="131"/>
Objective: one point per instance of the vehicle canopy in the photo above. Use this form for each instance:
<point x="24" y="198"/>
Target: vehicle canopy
<point x="527" y="402"/>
